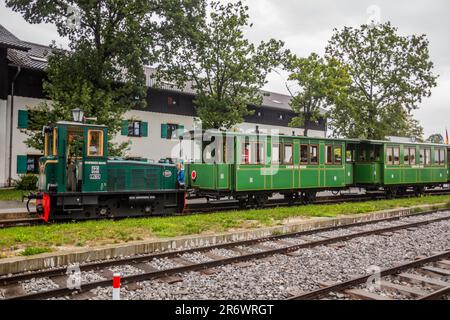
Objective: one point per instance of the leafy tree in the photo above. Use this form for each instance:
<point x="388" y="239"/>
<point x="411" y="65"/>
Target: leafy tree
<point x="110" y="41"/>
<point x="390" y="74"/>
<point x="322" y="83"/>
<point x="436" y="138"/>
<point x="222" y="66"/>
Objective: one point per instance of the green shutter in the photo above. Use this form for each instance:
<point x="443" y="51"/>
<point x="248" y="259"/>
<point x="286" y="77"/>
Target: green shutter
<point x="164" y="131"/>
<point x="125" y="128"/>
<point x="22" y="164"/>
<point x="144" y="129"/>
<point x="180" y="130"/>
<point x="22" y="121"/>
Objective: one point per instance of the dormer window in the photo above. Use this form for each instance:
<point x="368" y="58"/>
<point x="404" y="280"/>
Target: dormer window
<point x="172" y="101"/>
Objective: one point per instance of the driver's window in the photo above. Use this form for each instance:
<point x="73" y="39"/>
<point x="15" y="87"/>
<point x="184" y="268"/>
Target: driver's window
<point x="95" y="143"/>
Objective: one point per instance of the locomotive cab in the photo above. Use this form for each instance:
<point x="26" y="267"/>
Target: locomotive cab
<point x="75" y="159"/>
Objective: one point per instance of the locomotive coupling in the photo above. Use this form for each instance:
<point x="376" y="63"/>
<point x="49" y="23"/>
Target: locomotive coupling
<point x="39" y="206"/>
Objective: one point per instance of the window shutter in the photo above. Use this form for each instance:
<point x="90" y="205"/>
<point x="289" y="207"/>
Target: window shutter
<point x="180" y="130"/>
<point x="22" y="121"/>
<point x="22" y="164"/>
<point x="164" y="131"/>
<point x="144" y="129"/>
<point x="125" y="128"/>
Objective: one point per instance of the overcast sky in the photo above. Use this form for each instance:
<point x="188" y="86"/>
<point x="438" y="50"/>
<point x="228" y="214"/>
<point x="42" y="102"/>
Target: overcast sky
<point x="307" y="25"/>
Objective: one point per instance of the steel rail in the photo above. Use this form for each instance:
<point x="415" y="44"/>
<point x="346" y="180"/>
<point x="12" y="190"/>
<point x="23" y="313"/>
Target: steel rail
<point x="103" y="264"/>
<point x="387" y="272"/>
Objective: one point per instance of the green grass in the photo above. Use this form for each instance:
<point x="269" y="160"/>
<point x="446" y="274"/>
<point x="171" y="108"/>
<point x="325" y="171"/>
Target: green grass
<point x="11" y="195"/>
<point x="31" y="251"/>
<point x="96" y="233"/>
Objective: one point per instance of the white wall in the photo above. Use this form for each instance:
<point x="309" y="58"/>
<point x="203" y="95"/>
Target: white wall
<point x="3" y="137"/>
<point x="19" y="147"/>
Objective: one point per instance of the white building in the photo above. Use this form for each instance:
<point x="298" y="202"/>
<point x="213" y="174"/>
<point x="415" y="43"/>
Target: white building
<point x="152" y="131"/>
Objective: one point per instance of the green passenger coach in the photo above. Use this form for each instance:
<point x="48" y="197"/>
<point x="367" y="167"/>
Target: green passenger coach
<point x="251" y="168"/>
<point x="399" y="166"/>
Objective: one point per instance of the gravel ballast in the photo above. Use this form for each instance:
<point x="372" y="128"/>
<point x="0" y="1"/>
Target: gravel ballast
<point x="278" y="276"/>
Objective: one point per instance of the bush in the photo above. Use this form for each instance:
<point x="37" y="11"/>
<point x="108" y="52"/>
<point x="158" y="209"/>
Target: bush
<point x="27" y="182"/>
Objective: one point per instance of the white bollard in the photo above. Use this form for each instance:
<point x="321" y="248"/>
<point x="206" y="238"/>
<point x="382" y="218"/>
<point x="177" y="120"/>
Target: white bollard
<point x="116" y="286"/>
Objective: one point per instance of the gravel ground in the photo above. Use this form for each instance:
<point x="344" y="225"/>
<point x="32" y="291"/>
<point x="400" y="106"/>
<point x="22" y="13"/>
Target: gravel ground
<point x="163" y="264"/>
<point x="36" y="285"/>
<point x="126" y="270"/>
<point x="196" y="257"/>
<point x="90" y="276"/>
<point x="224" y="253"/>
<point x="275" y="277"/>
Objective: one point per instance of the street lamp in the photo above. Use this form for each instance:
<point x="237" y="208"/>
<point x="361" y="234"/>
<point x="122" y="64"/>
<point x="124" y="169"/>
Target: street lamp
<point x="77" y="115"/>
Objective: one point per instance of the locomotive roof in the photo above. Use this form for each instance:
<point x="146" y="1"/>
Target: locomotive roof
<point x="79" y="124"/>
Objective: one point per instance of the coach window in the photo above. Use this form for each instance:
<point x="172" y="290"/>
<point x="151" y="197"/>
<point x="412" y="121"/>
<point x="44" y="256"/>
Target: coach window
<point x="396" y="156"/>
<point x="246" y="153"/>
<point x="276" y="153"/>
<point x="362" y="154"/>
<point x="329" y="154"/>
<point x="314" y="154"/>
<point x="422" y="156"/>
<point x="427" y="157"/>
<point x="260" y="153"/>
<point x="441" y="157"/>
<point x="337" y="155"/>
<point x="389" y="156"/>
<point x="229" y="150"/>
<point x="304" y="154"/>
<point x="412" y="156"/>
<point x="287" y="154"/>
<point x="95" y="143"/>
<point x="350" y="154"/>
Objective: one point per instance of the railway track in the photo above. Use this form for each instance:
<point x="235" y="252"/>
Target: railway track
<point x="423" y="279"/>
<point x="22" y="222"/>
<point x="173" y="264"/>
<point x="217" y="206"/>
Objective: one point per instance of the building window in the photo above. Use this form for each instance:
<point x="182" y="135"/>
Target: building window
<point x="33" y="163"/>
<point x="172" y="101"/>
<point x="134" y="128"/>
<point x="172" y="131"/>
